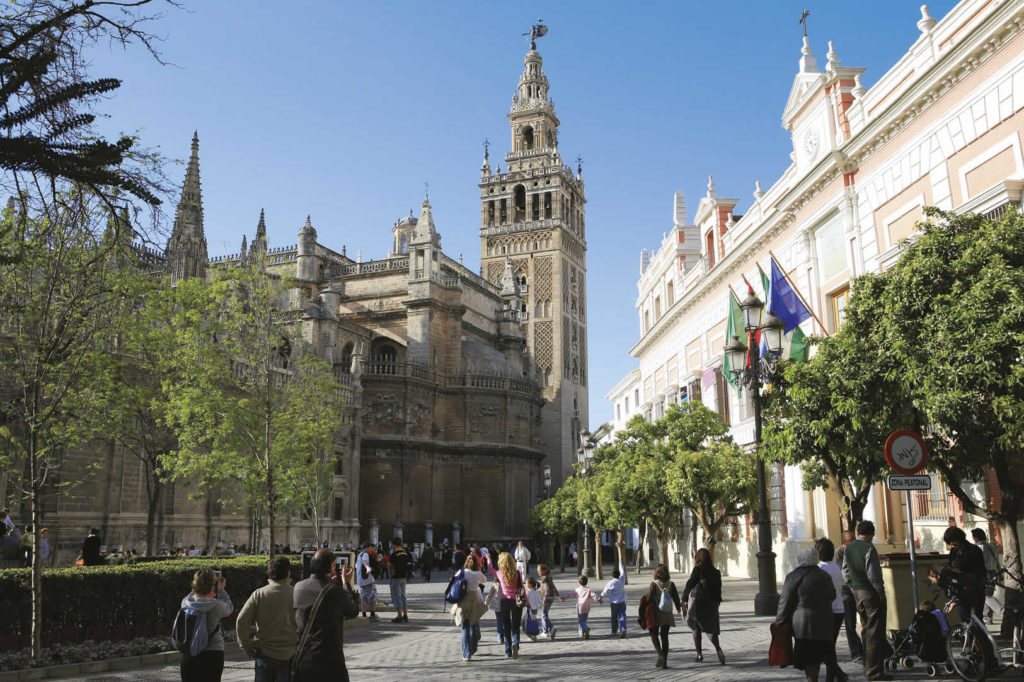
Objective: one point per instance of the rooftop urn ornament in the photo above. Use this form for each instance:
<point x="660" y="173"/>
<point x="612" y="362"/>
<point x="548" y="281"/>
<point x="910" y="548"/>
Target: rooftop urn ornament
<point x="536" y="31"/>
<point x="833" y="57"/>
<point x="926" y="23"/>
<point x="758" y="192"/>
<point x="858" y="90"/>
<point x="711" y="188"/>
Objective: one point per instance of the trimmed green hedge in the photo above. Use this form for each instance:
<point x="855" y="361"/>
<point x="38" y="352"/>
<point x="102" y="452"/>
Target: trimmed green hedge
<point x="116" y="602"/>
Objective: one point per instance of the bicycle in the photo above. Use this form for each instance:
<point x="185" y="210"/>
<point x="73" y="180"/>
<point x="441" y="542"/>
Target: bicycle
<point x="973" y="651"/>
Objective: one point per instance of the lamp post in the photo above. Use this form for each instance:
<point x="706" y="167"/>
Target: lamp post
<point x="584" y="454"/>
<point x="752" y="370"/>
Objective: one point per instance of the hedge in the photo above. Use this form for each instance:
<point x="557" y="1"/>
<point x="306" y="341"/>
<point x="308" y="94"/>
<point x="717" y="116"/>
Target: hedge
<point x="117" y="602"/>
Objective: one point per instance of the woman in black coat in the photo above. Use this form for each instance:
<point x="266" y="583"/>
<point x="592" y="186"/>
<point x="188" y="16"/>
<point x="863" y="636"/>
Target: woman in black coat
<point x="806" y="601"/>
<point x="701" y="597"/>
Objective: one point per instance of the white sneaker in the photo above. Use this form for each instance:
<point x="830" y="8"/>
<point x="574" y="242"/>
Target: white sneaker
<point x="466" y="659"/>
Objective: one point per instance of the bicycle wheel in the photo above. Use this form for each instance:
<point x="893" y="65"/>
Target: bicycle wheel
<point x="965" y="653"/>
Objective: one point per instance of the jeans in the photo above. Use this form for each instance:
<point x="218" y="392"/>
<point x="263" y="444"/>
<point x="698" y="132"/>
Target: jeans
<point x="501" y="630"/>
<point x="272" y="669"/>
<point x="618" y="617"/>
<point x="850" y="623"/>
<point x="470" y="638"/>
<point x="511" y="621"/>
<point x="398" y="593"/>
<point x="545" y="621"/>
<point x="582" y="619"/>
<point x="206" y="667"/>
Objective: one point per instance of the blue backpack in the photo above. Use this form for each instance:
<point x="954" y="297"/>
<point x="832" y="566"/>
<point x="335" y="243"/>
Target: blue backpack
<point x="456" y="589"/>
<point x="189" y="634"/>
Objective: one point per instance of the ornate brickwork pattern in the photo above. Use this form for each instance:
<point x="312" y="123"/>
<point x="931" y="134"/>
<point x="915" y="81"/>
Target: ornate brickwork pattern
<point x="542" y="278"/>
<point x="543" y="345"/>
<point x="566" y="347"/>
<point x="495" y="269"/>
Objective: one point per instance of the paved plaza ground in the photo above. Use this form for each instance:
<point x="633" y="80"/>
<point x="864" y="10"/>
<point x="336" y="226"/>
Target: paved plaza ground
<point x="428" y="648"/>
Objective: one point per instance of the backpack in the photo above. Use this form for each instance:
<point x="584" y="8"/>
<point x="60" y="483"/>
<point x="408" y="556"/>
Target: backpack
<point x="456" y="589"/>
<point x="665" y="603"/>
<point x="189" y="634"/>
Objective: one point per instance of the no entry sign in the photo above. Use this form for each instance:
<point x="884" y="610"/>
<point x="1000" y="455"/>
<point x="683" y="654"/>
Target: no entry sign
<point x="906" y="452"/>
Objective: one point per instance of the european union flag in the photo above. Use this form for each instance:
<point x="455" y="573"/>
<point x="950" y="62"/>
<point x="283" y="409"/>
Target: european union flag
<point x="783" y="300"/>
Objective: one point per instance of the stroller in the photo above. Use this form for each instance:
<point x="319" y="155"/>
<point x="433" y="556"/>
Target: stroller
<point x="924" y="640"/>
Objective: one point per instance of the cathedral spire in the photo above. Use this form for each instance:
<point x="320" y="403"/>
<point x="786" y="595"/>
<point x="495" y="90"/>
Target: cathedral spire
<point x="425" y="231"/>
<point x="186" y="254"/>
<point x="259" y="243"/>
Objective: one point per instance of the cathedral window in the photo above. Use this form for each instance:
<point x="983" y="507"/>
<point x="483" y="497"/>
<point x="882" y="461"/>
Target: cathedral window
<point x="547" y="204"/>
<point x="339" y="508"/>
<point x="527" y="137"/>
<point x="403" y="244"/>
<point x="490" y="212"/>
<point x="519" y="202"/>
<point x="504" y="211"/>
<point x="535" y="202"/>
<point x="346" y="358"/>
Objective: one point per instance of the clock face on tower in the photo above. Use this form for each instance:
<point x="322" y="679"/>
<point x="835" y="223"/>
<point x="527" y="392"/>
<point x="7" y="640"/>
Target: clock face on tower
<point x="811" y="142"/>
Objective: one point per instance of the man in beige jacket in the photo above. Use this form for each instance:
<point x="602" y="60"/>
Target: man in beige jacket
<point x="270" y="612"/>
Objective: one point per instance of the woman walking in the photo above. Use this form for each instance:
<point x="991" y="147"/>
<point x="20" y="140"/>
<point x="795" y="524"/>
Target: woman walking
<point x="701" y="597"/>
<point x="806" y="601"/>
<point x="511" y="613"/>
<point x="662" y="595"/>
<point x="826" y="562"/>
<point x="471" y="608"/>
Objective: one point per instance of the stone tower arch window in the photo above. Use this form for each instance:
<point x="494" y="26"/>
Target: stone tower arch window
<point x="527" y="137"/>
<point x="403" y="245"/>
<point x="519" y="203"/>
<point x="346" y="358"/>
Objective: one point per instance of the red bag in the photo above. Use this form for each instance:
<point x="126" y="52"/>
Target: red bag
<point x="780" y="652"/>
<point x="645" y="617"/>
<point x="79" y="561"/>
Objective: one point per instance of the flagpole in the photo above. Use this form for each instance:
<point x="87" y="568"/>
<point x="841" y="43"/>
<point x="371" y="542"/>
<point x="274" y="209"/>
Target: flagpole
<point x="824" y="329"/>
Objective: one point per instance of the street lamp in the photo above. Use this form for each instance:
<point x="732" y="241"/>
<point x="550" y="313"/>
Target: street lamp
<point x="584" y="454"/>
<point x="752" y="370"/>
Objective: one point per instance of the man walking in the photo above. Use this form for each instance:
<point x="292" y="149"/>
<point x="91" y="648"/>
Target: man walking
<point x="864" y="576"/>
<point x="271" y="610"/>
<point x="992" y="563"/>
<point x="320" y="654"/>
<point x="91" y="549"/>
<point x="366" y="582"/>
<point x="849" y="607"/>
<point x="522" y="556"/>
<point x="401" y="564"/>
<point x="427" y="562"/>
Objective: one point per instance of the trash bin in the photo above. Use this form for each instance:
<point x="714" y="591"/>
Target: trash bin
<point x="899" y="595"/>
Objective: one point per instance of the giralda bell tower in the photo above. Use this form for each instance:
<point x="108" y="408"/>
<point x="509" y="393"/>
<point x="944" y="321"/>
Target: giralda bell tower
<point x="532" y="214"/>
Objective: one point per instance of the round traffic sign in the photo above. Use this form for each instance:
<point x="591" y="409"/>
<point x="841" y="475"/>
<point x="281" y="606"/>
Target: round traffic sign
<point x="906" y="452"/>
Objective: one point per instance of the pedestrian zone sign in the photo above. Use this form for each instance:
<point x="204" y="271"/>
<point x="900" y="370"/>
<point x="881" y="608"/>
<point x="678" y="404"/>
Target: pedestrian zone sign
<point x="923" y="482"/>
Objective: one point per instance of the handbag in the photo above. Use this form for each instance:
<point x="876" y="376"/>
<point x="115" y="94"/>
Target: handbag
<point x="532" y="626"/>
<point x="780" y="652"/>
<point x="307" y="627"/>
<point x="520" y="592"/>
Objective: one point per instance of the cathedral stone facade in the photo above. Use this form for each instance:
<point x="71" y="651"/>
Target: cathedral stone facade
<point x="464" y="391"/>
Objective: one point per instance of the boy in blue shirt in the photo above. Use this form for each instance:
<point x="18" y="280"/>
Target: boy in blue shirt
<point x="615" y="590"/>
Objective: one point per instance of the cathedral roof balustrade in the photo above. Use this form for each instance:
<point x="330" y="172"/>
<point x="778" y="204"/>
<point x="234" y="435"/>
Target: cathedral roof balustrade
<point x="373" y="266"/>
<point x="533" y="225"/>
<point x="496" y="382"/>
<point x="466" y="274"/>
<point x="528" y="154"/>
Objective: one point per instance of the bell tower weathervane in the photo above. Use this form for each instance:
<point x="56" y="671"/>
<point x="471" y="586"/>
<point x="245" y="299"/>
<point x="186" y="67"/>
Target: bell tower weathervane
<point x="536" y="31"/>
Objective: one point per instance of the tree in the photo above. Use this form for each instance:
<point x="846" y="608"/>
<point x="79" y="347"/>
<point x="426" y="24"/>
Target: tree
<point x="832" y="415"/>
<point x="46" y="98"/>
<point x="309" y="429"/>
<point x="62" y="301"/>
<point x="716" y="482"/>
<point x="954" y="322"/>
<point x="557" y="515"/>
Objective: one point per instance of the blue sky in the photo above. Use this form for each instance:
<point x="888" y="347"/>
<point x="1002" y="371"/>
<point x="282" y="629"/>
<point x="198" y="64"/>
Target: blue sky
<point x="343" y="110"/>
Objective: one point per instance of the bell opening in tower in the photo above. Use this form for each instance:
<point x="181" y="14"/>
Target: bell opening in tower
<point x="519" y="200"/>
<point x="527" y="138"/>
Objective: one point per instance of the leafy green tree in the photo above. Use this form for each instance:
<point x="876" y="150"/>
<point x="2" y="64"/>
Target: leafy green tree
<point x="954" y="322"/>
<point x="61" y="303"/>
<point x="557" y="515"/>
<point x="831" y="415"/>
<point x="309" y="428"/>
<point x="716" y="482"/>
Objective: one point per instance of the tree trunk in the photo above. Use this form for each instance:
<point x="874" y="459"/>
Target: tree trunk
<point x="597" y="554"/>
<point x="271" y="496"/>
<point x="663" y="533"/>
<point x="641" y="555"/>
<point x="561" y="553"/>
<point x="37" y="564"/>
<point x="620" y="552"/>
<point x="1011" y="550"/>
<point x="151" y="513"/>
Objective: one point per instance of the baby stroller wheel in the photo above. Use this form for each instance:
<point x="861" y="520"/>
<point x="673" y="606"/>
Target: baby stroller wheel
<point x="907" y="662"/>
<point x="932" y="671"/>
<point x="948" y="668"/>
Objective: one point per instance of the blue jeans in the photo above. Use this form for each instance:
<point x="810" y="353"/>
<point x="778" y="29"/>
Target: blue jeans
<point x="272" y="669"/>
<point x="501" y="630"/>
<point x="582" y="618"/>
<point x="511" y="622"/>
<point x="470" y="638"/>
<point x="618" y="617"/>
<point x="398" y="593"/>
<point x="545" y="621"/>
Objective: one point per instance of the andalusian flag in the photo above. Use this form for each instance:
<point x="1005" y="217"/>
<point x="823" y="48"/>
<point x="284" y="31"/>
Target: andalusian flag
<point x="733" y="327"/>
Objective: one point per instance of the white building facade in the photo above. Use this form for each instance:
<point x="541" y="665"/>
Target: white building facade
<point x="941" y="128"/>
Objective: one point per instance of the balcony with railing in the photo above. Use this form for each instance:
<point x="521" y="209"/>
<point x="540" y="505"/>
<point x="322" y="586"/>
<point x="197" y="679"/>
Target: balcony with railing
<point x="495" y="382"/>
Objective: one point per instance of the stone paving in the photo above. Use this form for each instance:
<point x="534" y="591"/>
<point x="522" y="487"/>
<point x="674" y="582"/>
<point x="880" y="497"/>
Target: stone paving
<point x="428" y="647"/>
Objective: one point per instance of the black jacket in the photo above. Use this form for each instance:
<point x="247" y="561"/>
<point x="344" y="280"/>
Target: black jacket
<point x="323" y="656"/>
<point x="711" y="589"/>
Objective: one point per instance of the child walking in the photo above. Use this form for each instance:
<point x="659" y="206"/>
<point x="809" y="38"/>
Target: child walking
<point x="533" y="603"/>
<point x="548" y="592"/>
<point x="615" y="590"/>
<point x="493" y="602"/>
<point x="584" y="595"/>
